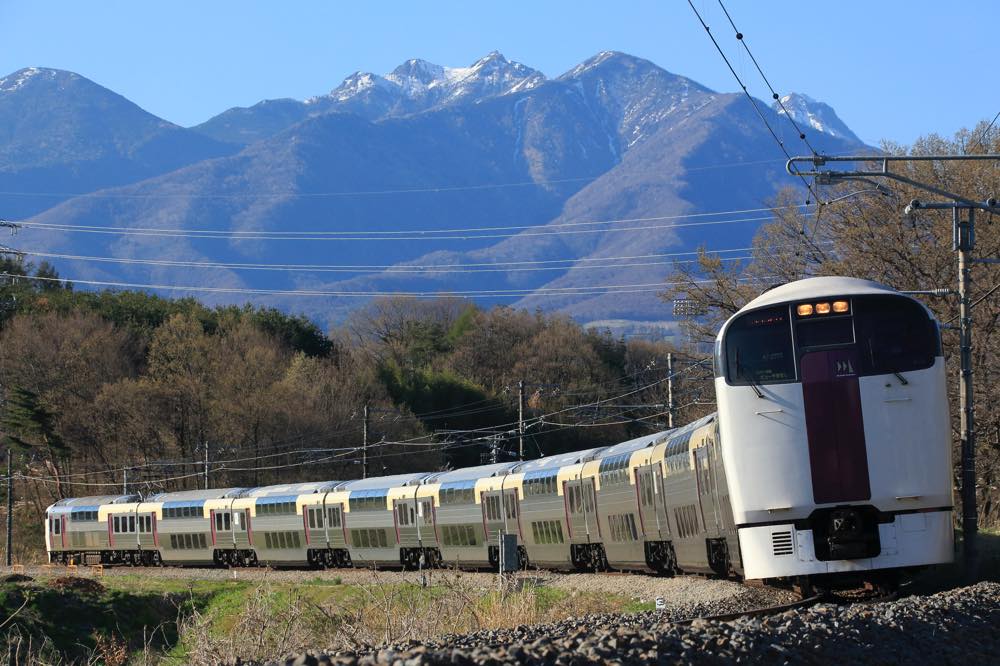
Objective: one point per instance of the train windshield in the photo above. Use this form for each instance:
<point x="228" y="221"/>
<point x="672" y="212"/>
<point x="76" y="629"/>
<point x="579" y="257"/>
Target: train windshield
<point x="890" y="334"/>
<point x="894" y="335"/>
<point x="759" y="348"/>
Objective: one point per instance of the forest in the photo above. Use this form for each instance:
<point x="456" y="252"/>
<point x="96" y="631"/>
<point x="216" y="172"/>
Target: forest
<point x="123" y="390"/>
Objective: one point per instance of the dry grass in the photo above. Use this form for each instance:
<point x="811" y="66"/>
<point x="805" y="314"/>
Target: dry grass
<point x="383" y="610"/>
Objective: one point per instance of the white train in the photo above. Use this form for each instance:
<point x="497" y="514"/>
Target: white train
<point x="829" y="457"/>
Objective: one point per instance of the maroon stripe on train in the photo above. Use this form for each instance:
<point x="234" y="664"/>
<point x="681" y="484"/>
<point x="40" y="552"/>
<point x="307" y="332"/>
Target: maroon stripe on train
<point x="831" y="395"/>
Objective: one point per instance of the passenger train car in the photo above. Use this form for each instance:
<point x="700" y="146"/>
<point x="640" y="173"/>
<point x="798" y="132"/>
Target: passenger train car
<point x="829" y="455"/>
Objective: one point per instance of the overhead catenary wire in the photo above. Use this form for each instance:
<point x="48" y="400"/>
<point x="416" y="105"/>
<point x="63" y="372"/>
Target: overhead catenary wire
<point x="540" y="291"/>
<point x="774" y="95"/>
<point x="415" y="235"/>
<point x="753" y="102"/>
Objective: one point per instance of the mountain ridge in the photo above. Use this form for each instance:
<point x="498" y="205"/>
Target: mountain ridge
<point x="615" y="138"/>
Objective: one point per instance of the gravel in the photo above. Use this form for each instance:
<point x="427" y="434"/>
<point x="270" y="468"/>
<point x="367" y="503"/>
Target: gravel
<point x="955" y="626"/>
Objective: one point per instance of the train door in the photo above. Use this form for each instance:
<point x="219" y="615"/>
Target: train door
<point x="424" y="520"/>
<point x="404" y="518"/>
<point x="512" y="513"/>
<point x="652" y="504"/>
<point x="493" y="514"/>
<point x="581" y="509"/>
<point x="708" y="499"/>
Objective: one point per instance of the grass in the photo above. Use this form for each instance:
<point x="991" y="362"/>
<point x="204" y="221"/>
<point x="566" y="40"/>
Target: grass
<point x="140" y="619"/>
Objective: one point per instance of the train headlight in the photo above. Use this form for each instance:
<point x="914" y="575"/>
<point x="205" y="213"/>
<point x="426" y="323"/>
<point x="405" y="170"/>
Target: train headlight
<point x="804" y="310"/>
<point x="822" y="308"/>
<point x="840" y="306"/>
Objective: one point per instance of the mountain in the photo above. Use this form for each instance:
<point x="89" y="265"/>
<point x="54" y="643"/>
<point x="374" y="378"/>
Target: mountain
<point x="61" y="134"/>
<point x="413" y="87"/>
<point x="810" y="114"/>
<point x="553" y="190"/>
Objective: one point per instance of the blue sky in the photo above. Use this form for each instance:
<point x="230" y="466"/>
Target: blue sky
<point x="891" y="68"/>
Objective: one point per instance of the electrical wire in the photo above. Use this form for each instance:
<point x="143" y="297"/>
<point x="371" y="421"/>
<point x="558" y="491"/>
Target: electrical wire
<point x="396" y="232"/>
<point x="774" y="95"/>
<point x="368" y="237"/>
<point x="393" y="269"/>
<point x="753" y="102"/>
<point x="541" y="291"/>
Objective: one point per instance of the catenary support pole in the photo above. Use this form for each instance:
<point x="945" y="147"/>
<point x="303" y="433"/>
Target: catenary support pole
<point x="670" y="390"/>
<point x="520" y="419"/>
<point x="364" y="444"/>
<point x="965" y="239"/>
<point x="205" y="471"/>
<point x="10" y="509"/>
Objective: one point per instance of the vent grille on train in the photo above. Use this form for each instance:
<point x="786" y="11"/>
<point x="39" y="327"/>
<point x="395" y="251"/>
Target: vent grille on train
<point x="781" y="543"/>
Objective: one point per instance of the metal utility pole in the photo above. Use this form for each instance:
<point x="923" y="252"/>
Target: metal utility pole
<point x="205" y="472"/>
<point x="963" y="242"/>
<point x="125" y="481"/>
<point x="364" y="444"/>
<point x="10" y="509"/>
<point x="520" y="419"/>
<point x="670" y="390"/>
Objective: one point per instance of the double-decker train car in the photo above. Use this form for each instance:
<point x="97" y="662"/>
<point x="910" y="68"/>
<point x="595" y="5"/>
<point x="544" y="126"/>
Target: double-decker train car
<point x="829" y="456"/>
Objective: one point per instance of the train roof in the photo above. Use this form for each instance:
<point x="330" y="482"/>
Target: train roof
<point x="559" y="460"/>
<point x="817" y="287"/>
<point x="636" y="444"/>
<point x="467" y="473"/>
<point x="382" y="482"/>
<point x="197" y="495"/>
<point x="286" y="489"/>
<point x="94" y="500"/>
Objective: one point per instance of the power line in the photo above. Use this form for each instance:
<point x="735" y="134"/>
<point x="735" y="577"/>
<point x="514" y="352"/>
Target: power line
<point x="397" y="232"/>
<point x="541" y="291"/>
<point x="416" y="235"/>
<point x="390" y="270"/>
<point x="753" y="102"/>
<point x="774" y="94"/>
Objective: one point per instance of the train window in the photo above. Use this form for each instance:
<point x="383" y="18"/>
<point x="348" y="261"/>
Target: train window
<point x="312" y="519"/>
<point x="218" y="522"/>
<point x="894" y="335"/>
<point x="824" y="332"/>
<point x="759" y="348"/>
<point x="131" y="523"/>
<point x="226" y="521"/>
<point x="173" y="541"/>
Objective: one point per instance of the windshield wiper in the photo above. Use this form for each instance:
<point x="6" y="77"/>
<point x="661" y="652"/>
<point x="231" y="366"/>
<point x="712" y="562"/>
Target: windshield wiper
<point x="901" y="378"/>
<point x="748" y="377"/>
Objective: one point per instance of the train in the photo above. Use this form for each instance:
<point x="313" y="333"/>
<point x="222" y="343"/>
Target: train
<point x="828" y="458"/>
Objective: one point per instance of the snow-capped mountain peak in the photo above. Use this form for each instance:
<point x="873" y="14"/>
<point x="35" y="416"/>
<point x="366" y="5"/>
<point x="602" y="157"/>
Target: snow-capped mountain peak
<point x="809" y="113"/>
<point x="22" y="77"/>
<point x="421" y="84"/>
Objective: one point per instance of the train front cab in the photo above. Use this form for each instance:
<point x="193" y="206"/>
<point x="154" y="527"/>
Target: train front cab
<point x="835" y="430"/>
